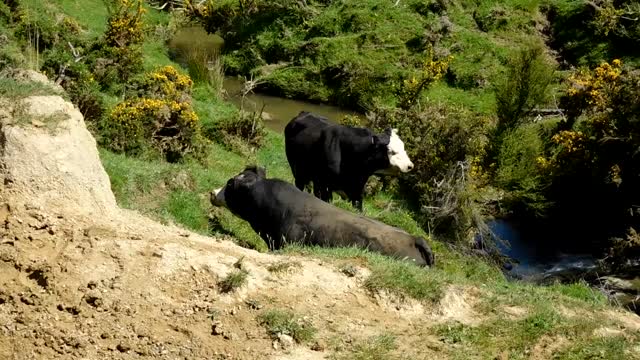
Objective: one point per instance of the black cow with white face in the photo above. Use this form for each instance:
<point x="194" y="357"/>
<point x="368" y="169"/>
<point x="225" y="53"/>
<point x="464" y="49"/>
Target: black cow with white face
<point x="338" y="158"/>
<point x="281" y="213"/>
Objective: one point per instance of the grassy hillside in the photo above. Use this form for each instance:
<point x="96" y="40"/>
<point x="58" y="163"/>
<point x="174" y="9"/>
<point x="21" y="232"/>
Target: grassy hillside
<point x="350" y="52"/>
<point x="517" y="319"/>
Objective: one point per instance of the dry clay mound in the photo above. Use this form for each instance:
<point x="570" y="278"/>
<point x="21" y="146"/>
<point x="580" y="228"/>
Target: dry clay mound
<point x="80" y="277"/>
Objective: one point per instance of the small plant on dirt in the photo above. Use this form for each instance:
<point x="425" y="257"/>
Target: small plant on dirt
<point x="374" y="348"/>
<point x="213" y="314"/>
<point x="287" y="323"/>
<point x="284" y="267"/>
<point x="349" y="270"/>
<point x="233" y="281"/>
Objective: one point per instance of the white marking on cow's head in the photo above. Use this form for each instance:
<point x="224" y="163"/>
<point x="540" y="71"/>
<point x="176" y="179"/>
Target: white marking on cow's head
<point x="398" y="158"/>
<point x="217" y="197"/>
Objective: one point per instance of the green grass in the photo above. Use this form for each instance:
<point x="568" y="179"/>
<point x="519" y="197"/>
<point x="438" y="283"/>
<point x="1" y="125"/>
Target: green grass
<point x="91" y="15"/>
<point x="284" y="322"/>
<point x="374" y="348"/>
<point x="13" y="89"/>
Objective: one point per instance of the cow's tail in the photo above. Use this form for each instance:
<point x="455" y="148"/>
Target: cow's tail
<point x="425" y="251"/>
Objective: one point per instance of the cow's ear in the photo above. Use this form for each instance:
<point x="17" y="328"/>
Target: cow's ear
<point x="258" y="170"/>
<point x="389" y="131"/>
<point x="381" y="139"/>
<point x="261" y="171"/>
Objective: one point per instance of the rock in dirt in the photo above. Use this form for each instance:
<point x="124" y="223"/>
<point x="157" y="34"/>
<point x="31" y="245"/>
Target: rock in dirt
<point x="285" y="340"/>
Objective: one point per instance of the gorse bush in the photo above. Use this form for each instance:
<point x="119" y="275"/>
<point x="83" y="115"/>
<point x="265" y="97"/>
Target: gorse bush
<point x="159" y="117"/>
<point x="592" y="157"/>
<point x="117" y="56"/>
<point x="164" y="83"/>
<point x="168" y="126"/>
<point x="409" y="91"/>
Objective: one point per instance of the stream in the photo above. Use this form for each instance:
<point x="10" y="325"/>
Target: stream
<point x="277" y="111"/>
<point x="534" y="259"/>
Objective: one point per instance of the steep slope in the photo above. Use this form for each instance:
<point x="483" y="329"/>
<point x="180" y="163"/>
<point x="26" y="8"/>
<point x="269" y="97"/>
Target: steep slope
<point x="80" y="277"/>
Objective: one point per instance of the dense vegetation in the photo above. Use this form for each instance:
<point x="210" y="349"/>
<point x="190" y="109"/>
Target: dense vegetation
<point x="462" y="80"/>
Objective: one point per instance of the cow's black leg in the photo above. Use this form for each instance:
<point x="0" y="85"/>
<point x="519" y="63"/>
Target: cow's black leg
<point x="325" y="194"/>
<point x="355" y="194"/>
<point x="300" y="184"/>
<point x="357" y="204"/>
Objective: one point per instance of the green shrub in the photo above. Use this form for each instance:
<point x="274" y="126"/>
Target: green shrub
<point x="233" y="281"/>
<point x="242" y="134"/>
<point x="446" y="145"/>
<point x="518" y="170"/>
<point x="523" y="87"/>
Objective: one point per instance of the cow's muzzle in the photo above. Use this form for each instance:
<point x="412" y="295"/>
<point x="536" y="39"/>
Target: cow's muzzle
<point x="217" y="197"/>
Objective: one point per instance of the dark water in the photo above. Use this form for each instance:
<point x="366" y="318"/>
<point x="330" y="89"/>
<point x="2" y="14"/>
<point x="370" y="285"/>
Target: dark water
<point x="534" y="257"/>
<point x="279" y="111"/>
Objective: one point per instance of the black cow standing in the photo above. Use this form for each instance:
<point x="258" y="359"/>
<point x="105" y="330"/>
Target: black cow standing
<point x="280" y="213"/>
<point x="338" y="158"/>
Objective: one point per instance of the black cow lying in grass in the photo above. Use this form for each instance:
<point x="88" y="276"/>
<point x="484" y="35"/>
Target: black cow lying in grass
<point x="340" y="158"/>
<point x="281" y="214"/>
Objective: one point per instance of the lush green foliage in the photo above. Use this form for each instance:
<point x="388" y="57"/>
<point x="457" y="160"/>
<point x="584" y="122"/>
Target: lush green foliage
<point x="523" y="87"/>
<point x="348" y="52"/>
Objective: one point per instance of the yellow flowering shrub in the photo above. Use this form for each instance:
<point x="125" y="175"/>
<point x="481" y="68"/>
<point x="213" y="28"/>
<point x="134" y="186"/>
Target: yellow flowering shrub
<point x="571" y="141"/>
<point x="596" y="87"/>
<point x="165" y="83"/>
<point x="125" y="26"/>
<point x="169" y="126"/>
<point x="431" y="71"/>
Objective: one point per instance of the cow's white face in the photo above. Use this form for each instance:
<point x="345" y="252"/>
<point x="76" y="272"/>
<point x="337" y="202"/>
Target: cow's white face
<point x="398" y="158"/>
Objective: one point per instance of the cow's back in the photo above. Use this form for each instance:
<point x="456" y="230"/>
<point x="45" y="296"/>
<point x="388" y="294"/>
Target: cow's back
<point x="300" y="137"/>
<point x="305" y="124"/>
